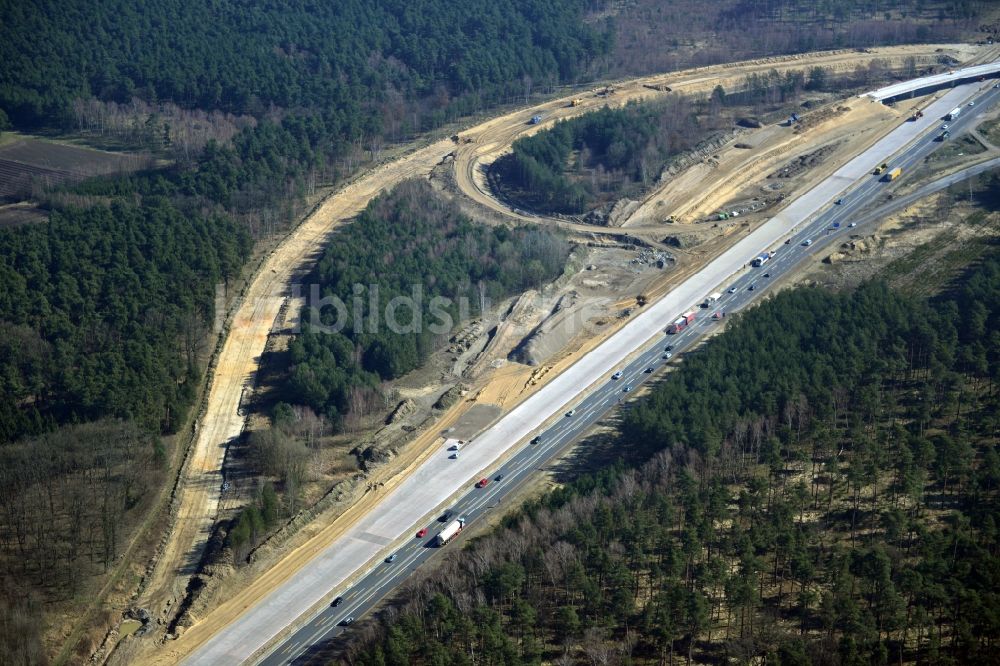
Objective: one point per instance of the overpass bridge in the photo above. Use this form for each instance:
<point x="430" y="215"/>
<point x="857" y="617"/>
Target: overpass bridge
<point x="928" y="84"/>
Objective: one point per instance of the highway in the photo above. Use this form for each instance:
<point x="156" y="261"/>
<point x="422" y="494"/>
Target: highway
<point x="829" y="226"/>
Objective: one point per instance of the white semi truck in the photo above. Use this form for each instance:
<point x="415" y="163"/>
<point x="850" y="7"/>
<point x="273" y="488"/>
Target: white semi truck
<point x="449" y="532"/>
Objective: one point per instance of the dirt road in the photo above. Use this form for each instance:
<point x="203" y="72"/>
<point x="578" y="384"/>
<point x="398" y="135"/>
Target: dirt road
<point x="237" y="365"/>
<point x="482" y="145"/>
<point x="256" y="314"/>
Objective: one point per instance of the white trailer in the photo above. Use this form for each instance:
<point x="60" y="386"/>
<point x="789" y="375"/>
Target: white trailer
<point x="954" y="113"/>
<point x="449" y="531"/>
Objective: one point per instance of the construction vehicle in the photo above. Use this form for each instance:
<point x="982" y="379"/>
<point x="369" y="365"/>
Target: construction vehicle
<point x="641" y="300"/>
<point x="449" y="532"/>
<point x="881" y="168"/>
<point x="892" y="175"/>
<point x="680" y="323"/>
<point x="576" y="102"/>
<point x="916" y="116"/>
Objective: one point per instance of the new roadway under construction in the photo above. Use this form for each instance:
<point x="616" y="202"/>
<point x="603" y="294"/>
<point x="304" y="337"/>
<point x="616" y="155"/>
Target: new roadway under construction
<point x="282" y="615"/>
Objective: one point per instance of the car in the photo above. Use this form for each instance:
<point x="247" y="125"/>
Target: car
<point x="839" y="201"/>
<point x="453" y="456"/>
<point x="996" y="85"/>
<point x="807" y="242"/>
<point x="537" y="440"/>
<point x="972" y="103"/>
<point x="767" y="275"/>
<point x="626" y="389"/>
<point x="732" y="290"/>
<point x="617" y="375"/>
<point x="390" y="559"/>
<point x="346" y="621"/>
<point x="788" y="241"/>
<point x="336" y="602"/>
<point x="751" y="287"/>
<point x="482" y="483"/>
<point x="422" y="533"/>
<point x="446" y="516"/>
<point x="649" y="370"/>
<point x="852" y="225"/>
<point x="668" y="348"/>
<point x="498" y="478"/>
<point x="945" y="126"/>
<point x="571" y="412"/>
<point x="667" y="356"/>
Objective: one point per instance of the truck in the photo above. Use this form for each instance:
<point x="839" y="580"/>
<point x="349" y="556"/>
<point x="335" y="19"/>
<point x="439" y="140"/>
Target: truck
<point x="892" y="175"/>
<point x="449" y="532"/>
<point x="535" y="120"/>
<point x="761" y="259"/>
<point x="680" y="323"/>
<point x="953" y="113"/>
<point x="711" y="299"/>
<point x="881" y="168"/>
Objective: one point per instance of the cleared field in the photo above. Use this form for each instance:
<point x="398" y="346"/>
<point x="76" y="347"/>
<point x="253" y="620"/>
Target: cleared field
<point x="28" y="162"/>
<point x="17" y="179"/>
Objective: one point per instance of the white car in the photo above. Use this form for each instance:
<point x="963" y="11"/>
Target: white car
<point x="807" y="242"/>
<point x="972" y="103"/>
<point x="617" y="375"/>
<point x="571" y="412"/>
<point x="732" y="290"/>
<point x="945" y="126"/>
<point x="853" y="224"/>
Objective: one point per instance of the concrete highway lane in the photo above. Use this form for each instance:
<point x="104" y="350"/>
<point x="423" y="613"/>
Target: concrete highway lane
<point x="813" y="217"/>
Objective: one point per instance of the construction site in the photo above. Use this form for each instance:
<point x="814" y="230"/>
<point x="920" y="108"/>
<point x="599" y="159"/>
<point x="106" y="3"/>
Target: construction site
<point x="699" y="207"/>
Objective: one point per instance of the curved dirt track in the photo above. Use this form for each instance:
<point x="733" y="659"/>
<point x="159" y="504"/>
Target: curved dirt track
<point x="256" y="314"/>
<point x="237" y="365"/>
<point x="483" y="144"/>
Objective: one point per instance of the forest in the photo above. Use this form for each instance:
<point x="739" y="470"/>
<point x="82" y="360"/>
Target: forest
<point x="581" y="162"/>
<point x="296" y="55"/>
<point x="414" y="244"/>
<point x="102" y="311"/>
<point x="817" y="485"/>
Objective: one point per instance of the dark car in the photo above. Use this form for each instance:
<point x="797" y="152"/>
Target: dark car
<point x="336" y="602"/>
<point x="346" y="621"/>
<point x="499" y="477"/>
<point x="649" y="370"/>
<point x="751" y="287"/>
<point x="536" y="440"/>
<point x="767" y="275"/>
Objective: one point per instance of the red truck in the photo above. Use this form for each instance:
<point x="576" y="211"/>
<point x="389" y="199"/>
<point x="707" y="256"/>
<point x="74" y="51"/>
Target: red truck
<point x="680" y="323"/>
